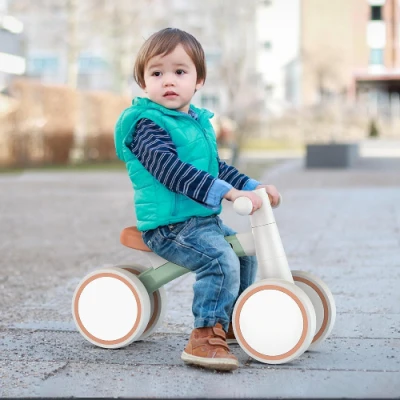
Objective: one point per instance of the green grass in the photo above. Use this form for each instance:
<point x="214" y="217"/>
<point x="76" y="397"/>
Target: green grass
<point x="271" y="144"/>
<point x="114" y="165"/>
<point x="255" y="169"/>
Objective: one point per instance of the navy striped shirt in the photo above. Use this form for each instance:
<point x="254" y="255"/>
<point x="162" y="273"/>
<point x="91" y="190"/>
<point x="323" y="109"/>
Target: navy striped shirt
<point x="155" y="150"/>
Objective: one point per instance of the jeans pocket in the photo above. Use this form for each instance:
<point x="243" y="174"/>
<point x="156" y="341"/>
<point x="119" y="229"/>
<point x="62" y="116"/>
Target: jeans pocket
<point x="171" y="231"/>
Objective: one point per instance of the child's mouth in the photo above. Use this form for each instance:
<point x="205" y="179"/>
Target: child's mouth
<point x="170" y="94"/>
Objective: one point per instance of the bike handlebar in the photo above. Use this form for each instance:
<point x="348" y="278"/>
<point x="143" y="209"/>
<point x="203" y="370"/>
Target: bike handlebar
<point x="244" y="206"/>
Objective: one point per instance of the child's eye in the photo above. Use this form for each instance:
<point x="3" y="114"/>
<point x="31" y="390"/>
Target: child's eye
<point x="156" y="73"/>
<point x="180" y="72"/>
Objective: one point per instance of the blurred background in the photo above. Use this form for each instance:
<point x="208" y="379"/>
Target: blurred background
<point x="282" y="74"/>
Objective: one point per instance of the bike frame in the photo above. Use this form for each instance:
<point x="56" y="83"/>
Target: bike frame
<point x="263" y="241"/>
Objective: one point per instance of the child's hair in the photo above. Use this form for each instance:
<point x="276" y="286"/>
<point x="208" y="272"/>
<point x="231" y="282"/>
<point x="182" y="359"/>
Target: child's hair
<point x="164" y="42"/>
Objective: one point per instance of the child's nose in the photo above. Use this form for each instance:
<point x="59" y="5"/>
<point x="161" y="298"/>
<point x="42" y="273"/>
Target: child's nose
<point x="169" y="80"/>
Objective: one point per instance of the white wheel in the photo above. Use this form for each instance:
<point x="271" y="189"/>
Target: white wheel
<point x="111" y="307"/>
<point x="323" y="302"/>
<point x="274" y="321"/>
<point x="158" y="302"/>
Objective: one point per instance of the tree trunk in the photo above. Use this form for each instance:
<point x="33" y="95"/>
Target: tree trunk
<point x="73" y="47"/>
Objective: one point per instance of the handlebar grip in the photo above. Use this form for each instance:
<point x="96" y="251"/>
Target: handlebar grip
<point x="243" y="206"/>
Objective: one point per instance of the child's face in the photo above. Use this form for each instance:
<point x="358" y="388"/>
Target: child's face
<point x="171" y="80"/>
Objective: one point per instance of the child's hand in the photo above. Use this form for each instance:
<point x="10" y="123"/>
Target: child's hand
<point x="233" y="194"/>
<point x="272" y="192"/>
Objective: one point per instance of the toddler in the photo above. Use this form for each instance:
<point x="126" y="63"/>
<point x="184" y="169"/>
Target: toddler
<point x="170" y="151"/>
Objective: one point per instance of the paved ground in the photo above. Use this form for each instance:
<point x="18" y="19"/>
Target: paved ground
<point x="343" y="226"/>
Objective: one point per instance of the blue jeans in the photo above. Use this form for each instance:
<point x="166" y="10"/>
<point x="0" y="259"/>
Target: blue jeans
<point x="198" y="244"/>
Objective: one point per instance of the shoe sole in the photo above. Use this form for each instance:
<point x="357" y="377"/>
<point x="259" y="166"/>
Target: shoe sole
<point x="221" y="364"/>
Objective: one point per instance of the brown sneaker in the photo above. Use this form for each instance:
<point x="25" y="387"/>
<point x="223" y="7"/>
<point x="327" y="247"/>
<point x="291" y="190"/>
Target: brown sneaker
<point x="230" y="335"/>
<point x="207" y="348"/>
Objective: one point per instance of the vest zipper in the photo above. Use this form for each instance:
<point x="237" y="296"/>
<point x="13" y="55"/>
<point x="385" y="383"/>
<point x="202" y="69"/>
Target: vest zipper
<point x="205" y="136"/>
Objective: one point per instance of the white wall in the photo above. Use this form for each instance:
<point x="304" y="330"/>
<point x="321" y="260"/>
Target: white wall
<point x="3" y="7"/>
<point x="278" y="23"/>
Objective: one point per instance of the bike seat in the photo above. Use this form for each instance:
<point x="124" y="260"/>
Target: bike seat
<point x="131" y="237"/>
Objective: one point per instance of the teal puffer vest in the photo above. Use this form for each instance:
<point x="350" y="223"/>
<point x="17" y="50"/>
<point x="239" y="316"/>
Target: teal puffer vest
<point x="155" y="204"/>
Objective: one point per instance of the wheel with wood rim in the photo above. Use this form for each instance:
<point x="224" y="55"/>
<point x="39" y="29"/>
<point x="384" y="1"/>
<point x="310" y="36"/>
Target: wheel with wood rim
<point x="158" y="302"/>
<point x="274" y="321"/>
<point x="323" y="302"/>
<point x="111" y="307"/>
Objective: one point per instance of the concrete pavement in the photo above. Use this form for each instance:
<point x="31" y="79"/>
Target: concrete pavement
<point x="343" y="226"/>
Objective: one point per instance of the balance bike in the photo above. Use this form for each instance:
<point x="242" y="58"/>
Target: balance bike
<point x="275" y="320"/>
<point x="278" y="318"/>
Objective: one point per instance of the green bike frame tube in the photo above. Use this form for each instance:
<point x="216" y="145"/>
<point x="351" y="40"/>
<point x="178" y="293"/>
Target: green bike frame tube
<point x="154" y="278"/>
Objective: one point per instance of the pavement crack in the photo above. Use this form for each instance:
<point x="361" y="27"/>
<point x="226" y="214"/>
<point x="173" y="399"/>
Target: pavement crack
<point x="29" y="330"/>
<point x="248" y="362"/>
<point x="55" y="371"/>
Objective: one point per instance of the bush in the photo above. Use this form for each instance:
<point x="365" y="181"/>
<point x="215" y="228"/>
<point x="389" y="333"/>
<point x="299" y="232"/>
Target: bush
<point x="373" y="129"/>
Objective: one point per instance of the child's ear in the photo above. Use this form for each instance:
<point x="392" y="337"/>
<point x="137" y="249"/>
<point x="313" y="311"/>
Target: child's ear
<point x="199" y="84"/>
<point x="143" y="87"/>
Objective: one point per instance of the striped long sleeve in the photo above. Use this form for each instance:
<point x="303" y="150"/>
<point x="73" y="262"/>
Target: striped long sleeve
<point x="154" y="148"/>
<point x="235" y="178"/>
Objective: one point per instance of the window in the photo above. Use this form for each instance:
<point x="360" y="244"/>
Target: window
<point x="376" y="57"/>
<point x="269" y="90"/>
<point x="376" y="13"/>
<point x="90" y="63"/>
<point x="212" y="59"/>
<point x="43" y="65"/>
<point x="209" y="101"/>
<point x="267" y="45"/>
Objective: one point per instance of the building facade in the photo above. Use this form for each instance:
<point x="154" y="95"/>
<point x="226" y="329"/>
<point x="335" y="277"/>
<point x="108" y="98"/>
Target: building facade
<point x="278" y="35"/>
<point x="106" y="38"/>
<point x="283" y="54"/>
<point x="12" y="54"/>
<point x="319" y="50"/>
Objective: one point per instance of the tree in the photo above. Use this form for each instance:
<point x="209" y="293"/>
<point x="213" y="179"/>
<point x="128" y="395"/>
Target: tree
<point x="75" y="26"/>
<point x="322" y="73"/>
<point x="126" y="19"/>
<point x="235" y="34"/>
<point x="226" y="30"/>
<point x="73" y="47"/>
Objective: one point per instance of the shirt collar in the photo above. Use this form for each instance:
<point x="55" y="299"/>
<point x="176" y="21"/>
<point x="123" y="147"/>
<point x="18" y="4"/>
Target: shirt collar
<point x="193" y="114"/>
